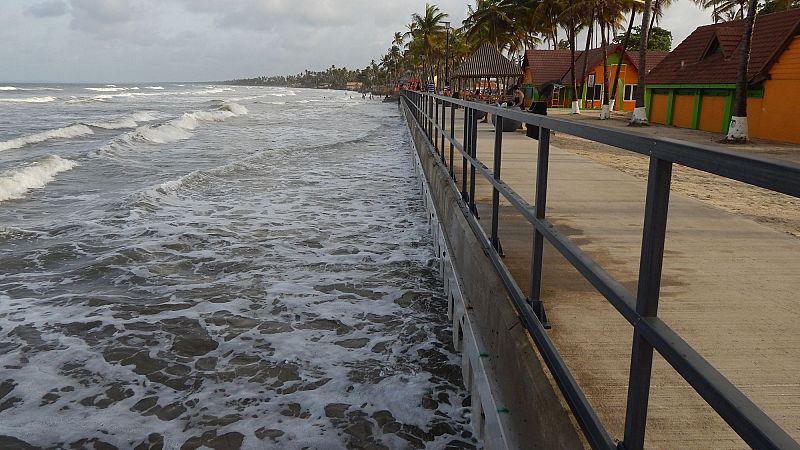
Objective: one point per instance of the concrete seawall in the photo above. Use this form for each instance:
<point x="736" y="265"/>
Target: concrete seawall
<point x="523" y="408"/>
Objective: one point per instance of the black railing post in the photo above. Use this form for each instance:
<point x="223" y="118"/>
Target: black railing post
<point x="452" y="136"/>
<point x="467" y="121"/>
<point x="474" y="153"/>
<point x="418" y="104"/>
<point x="444" y="128"/>
<point x="431" y="120"/>
<point x="498" y="148"/>
<point x="434" y="133"/>
<point x="650" y="263"/>
<point x="426" y="125"/>
<point x="539" y="208"/>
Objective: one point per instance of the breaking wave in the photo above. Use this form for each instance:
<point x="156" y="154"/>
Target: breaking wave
<point x="69" y="132"/>
<point x="131" y="121"/>
<point x="157" y="88"/>
<point x="47" y="99"/>
<point x="78" y="130"/>
<point x="16" y="183"/>
<point x="178" y="129"/>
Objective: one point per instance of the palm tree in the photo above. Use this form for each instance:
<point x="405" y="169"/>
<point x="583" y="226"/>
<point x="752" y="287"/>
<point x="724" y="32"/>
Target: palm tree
<point x="737" y="130"/>
<point x="491" y="20"/>
<point x="634" y="6"/>
<point x="726" y="9"/>
<point x="573" y="18"/>
<point x="639" y="116"/>
<point x="425" y="29"/>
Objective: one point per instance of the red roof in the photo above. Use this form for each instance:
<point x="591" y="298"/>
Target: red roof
<point x="653" y="59"/>
<point x="548" y="64"/>
<point x="551" y="65"/>
<point x="710" y="55"/>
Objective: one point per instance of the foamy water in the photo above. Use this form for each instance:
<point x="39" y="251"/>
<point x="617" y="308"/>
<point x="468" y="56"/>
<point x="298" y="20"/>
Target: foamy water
<point x="203" y="268"/>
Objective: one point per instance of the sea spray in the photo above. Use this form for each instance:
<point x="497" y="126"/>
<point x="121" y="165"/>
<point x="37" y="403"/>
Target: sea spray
<point x="16" y="183"/>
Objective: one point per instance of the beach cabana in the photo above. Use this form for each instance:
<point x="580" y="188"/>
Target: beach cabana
<point x="541" y="66"/>
<point x="693" y="87"/>
<point x="484" y="66"/>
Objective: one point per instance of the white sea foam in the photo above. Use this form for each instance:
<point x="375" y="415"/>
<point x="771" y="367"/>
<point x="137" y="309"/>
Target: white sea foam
<point x="105" y="89"/>
<point x="129" y="121"/>
<point x="110" y="96"/>
<point x="235" y="108"/>
<point x="8" y="88"/>
<point x="16" y="183"/>
<point x="157" y="88"/>
<point x="208" y="91"/>
<point x="69" y="132"/>
<point x="160" y="134"/>
<point x="178" y="129"/>
<point x="47" y="99"/>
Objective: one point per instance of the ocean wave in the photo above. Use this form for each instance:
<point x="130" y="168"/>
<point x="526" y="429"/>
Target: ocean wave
<point x="104" y="97"/>
<point x="157" y="88"/>
<point x="178" y="129"/>
<point x="208" y="91"/>
<point x="69" y="132"/>
<point x="130" y="121"/>
<point x="9" y="88"/>
<point x="16" y="183"/>
<point x="47" y="99"/>
<point x="105" y="89"/>
<point x="74" y="99"/>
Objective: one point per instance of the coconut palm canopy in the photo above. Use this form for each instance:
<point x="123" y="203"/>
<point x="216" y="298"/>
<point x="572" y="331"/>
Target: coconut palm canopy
<point x="487" y="61"/>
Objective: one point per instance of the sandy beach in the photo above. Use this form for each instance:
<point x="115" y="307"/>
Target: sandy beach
<point x="774" y="210"/>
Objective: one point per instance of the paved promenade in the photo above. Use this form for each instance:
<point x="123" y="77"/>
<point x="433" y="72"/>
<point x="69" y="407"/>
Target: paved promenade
<point x="730" y="288"/>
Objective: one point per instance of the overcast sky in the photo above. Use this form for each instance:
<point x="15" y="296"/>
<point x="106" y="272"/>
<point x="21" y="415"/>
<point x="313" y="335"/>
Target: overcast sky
<point x="206" y="40"/>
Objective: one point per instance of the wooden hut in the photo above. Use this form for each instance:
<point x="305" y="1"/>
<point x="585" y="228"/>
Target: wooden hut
<point x="488" y="71"/>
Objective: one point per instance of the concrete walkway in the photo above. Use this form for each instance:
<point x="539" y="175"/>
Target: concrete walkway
<point x="730" y="288"/>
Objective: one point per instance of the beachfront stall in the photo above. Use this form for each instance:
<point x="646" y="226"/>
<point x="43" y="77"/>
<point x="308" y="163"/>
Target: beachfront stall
<point x="542" y="66"/>
<point x="693" y="87"/>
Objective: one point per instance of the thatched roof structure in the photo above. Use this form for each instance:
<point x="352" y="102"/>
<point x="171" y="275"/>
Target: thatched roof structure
<point x="487" y="62"/>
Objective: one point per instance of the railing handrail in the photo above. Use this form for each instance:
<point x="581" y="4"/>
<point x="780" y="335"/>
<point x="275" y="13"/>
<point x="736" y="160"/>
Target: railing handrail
<point x="769" y="173"/>
<point x="744" y="417"/>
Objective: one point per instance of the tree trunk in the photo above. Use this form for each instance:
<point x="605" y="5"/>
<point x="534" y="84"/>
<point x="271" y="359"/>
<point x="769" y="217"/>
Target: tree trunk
<point x="737" y="130"/>
<point x="656" y="7"/>
<point x="575" y="94"/>
<point x="622" y="55"/>
<point x="639" y="112"/>
<point x="586" y="53"/>
<point x="604" y="108"/>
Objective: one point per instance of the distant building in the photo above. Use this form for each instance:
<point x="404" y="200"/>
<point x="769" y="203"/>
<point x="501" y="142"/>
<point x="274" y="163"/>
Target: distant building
<point x="693" y="87"/>
<point x="541" y="66"/>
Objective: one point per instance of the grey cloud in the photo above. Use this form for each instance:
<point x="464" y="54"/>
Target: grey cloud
<point x="97" y="16"/>
<point x="54" y="8"/>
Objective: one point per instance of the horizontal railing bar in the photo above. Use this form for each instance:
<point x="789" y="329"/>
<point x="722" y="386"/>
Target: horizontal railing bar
<point x="773" y="174"/>
<point x="744" y="417"/>
<point x="591" y="426"/>
<point x="756" y="428"/>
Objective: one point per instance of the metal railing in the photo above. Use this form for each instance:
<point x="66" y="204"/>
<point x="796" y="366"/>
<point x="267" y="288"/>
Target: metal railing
<point x="640" y="310"/>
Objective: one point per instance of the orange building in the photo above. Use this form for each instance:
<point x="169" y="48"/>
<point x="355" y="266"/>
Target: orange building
<point x="541" y="66"/>
<point x="693" y="86"/>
